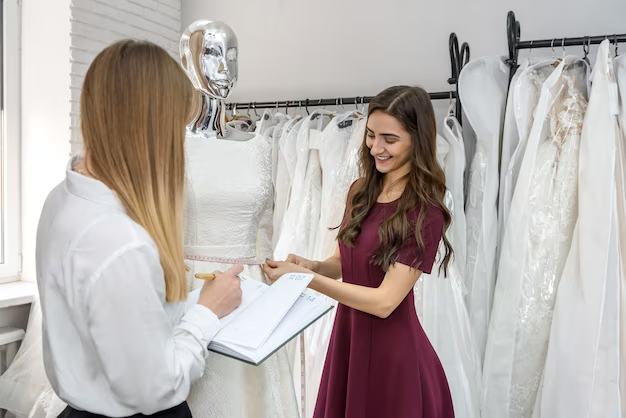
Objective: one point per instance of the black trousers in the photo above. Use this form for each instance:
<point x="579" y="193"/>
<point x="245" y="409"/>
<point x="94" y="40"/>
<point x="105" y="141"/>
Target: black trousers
<point x="180" y="411"/>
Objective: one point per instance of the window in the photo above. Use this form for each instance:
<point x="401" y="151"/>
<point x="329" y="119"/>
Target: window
<point x="10" y="225"/>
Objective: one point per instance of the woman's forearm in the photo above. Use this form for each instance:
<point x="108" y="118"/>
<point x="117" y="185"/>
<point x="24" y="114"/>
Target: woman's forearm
<point x="371" y="300"/>
<point x="330" y="268"/>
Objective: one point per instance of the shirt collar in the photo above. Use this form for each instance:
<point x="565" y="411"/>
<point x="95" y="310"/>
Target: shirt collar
<point x="89" y="188"/>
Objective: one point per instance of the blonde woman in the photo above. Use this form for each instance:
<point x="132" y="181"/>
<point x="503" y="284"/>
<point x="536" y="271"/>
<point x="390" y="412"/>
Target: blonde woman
<point x="121" y="336"/>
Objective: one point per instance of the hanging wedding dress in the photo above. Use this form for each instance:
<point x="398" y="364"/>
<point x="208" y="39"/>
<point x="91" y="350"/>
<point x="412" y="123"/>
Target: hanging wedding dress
<point x="482" y="88"/>
<point x="228" y="188"/>
<point x="527" y="91"/>
<point x="620" y="72"/>
<point x="301" y="220"/>
<point x="454" y="167"/>
<point x="348" y="174"/>
<point x="439" y="299"/>
<point x="274" y="138"/>
<point x="581" y="375"/>
<point x="524" y="96"/>
<point x="333" y="147"/>
<point x="285" y="166"/>
<point x="535" y="246"/>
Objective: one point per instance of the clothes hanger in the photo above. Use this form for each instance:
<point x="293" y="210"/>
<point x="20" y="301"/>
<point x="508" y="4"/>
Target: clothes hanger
<point x="586" y="47"/>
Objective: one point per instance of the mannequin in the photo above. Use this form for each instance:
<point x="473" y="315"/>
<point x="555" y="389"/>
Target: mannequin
<point x="228" y="221"/>
<point x="208" y="53"/>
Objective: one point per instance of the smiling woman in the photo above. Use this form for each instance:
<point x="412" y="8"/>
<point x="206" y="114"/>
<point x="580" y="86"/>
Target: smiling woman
<point x="394" y="221"/>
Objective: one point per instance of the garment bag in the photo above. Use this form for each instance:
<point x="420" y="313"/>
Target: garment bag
<point x="620" y="173"/>
<point x="482" y="88"/>
<point x="535" y="246"/>
<point x="581" y="374"/>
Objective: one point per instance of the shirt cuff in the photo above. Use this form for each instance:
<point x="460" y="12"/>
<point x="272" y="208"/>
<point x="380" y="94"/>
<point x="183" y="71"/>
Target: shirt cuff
<point x="201" y="320"/>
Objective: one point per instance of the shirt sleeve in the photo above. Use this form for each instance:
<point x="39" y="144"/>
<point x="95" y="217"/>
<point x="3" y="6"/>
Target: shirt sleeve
<point x="148" y="362"/>
<point x="432" y="230"/>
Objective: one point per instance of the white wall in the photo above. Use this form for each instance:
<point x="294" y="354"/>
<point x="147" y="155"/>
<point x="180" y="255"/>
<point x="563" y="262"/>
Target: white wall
<point x="293" y="49"/>
<point x="98" y="23"/>
<point x="60" y="38"/>
<point x="45" y="111"/>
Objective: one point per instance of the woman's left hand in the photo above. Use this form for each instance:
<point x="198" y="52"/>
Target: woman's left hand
<point x="276" y="269"/>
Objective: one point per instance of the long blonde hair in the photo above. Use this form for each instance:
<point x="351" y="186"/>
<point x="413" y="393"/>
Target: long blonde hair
<point x="135" y="104"/>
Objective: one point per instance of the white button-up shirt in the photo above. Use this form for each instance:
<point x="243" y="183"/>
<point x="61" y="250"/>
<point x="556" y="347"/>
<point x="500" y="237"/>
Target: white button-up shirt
<point x="112" y="345"/>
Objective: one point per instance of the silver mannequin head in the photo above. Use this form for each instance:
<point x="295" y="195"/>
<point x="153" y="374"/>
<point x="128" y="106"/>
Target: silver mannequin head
<point x="208" y="53"/>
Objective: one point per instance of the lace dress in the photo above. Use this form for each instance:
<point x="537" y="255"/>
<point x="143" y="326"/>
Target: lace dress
<point x="228" y="196"/>
<point x="535" y="247"/>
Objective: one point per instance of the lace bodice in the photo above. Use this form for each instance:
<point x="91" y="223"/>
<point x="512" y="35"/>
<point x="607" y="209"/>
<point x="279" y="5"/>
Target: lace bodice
<point x="229" y="186"/>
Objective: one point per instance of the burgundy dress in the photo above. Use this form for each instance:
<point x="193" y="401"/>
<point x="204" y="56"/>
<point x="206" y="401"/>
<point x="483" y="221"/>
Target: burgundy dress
<point x="384" y="368"/>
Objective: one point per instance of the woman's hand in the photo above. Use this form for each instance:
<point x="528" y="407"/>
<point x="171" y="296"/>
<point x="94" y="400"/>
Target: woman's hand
<point x="276" y="269"/>
<point x="302" y="262"/>
<point x="222" y="294"/>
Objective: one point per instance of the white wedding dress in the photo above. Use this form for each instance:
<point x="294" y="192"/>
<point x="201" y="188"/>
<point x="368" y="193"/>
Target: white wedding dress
<point x="335" y="140"/>
<point x="483" y="88"/>
<point x="522" y="100"/>
<point x="581" y="376"/>
<point x="535" y="246"/>
<point x="439" y="300"/>
<point x="300" y="225"/>
<point x="301" y="222"/>
<point x="229" y="191"/>
<point x="454" y="168"/>
<point x="285" y="168"/>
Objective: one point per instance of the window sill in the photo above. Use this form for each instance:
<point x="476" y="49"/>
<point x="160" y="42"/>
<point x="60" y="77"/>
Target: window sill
<point x="17" y="293"/>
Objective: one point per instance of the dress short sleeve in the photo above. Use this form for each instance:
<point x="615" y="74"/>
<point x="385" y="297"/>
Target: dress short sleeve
<point x="432" y="230"/>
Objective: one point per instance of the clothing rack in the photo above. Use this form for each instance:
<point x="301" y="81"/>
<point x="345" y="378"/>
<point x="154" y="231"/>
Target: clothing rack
<point x="306" y="103"/>
<point x="513" y="30"/>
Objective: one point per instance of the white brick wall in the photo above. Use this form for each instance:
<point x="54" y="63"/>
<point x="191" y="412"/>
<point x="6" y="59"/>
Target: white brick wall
<point x="98" y="23"/>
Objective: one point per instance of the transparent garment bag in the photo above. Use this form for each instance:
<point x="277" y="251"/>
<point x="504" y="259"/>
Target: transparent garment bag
<point x="581" y="371"/>
<point x="620" y="71"/>
<point x="482" y="88"/>
<point x="528" y="84"/>
<point x="535" y="246"/>
<point x="454" y="168"/>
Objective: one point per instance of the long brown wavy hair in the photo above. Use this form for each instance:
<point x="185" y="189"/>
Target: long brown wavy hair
<point x="425" y="183"/>
<point x="135" y="104"/>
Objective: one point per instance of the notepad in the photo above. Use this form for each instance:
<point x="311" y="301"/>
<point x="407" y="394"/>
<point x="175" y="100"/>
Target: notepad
<point x="268" y="317"/>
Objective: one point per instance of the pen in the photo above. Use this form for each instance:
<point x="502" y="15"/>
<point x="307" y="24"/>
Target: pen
<point x="205" y="276"/>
